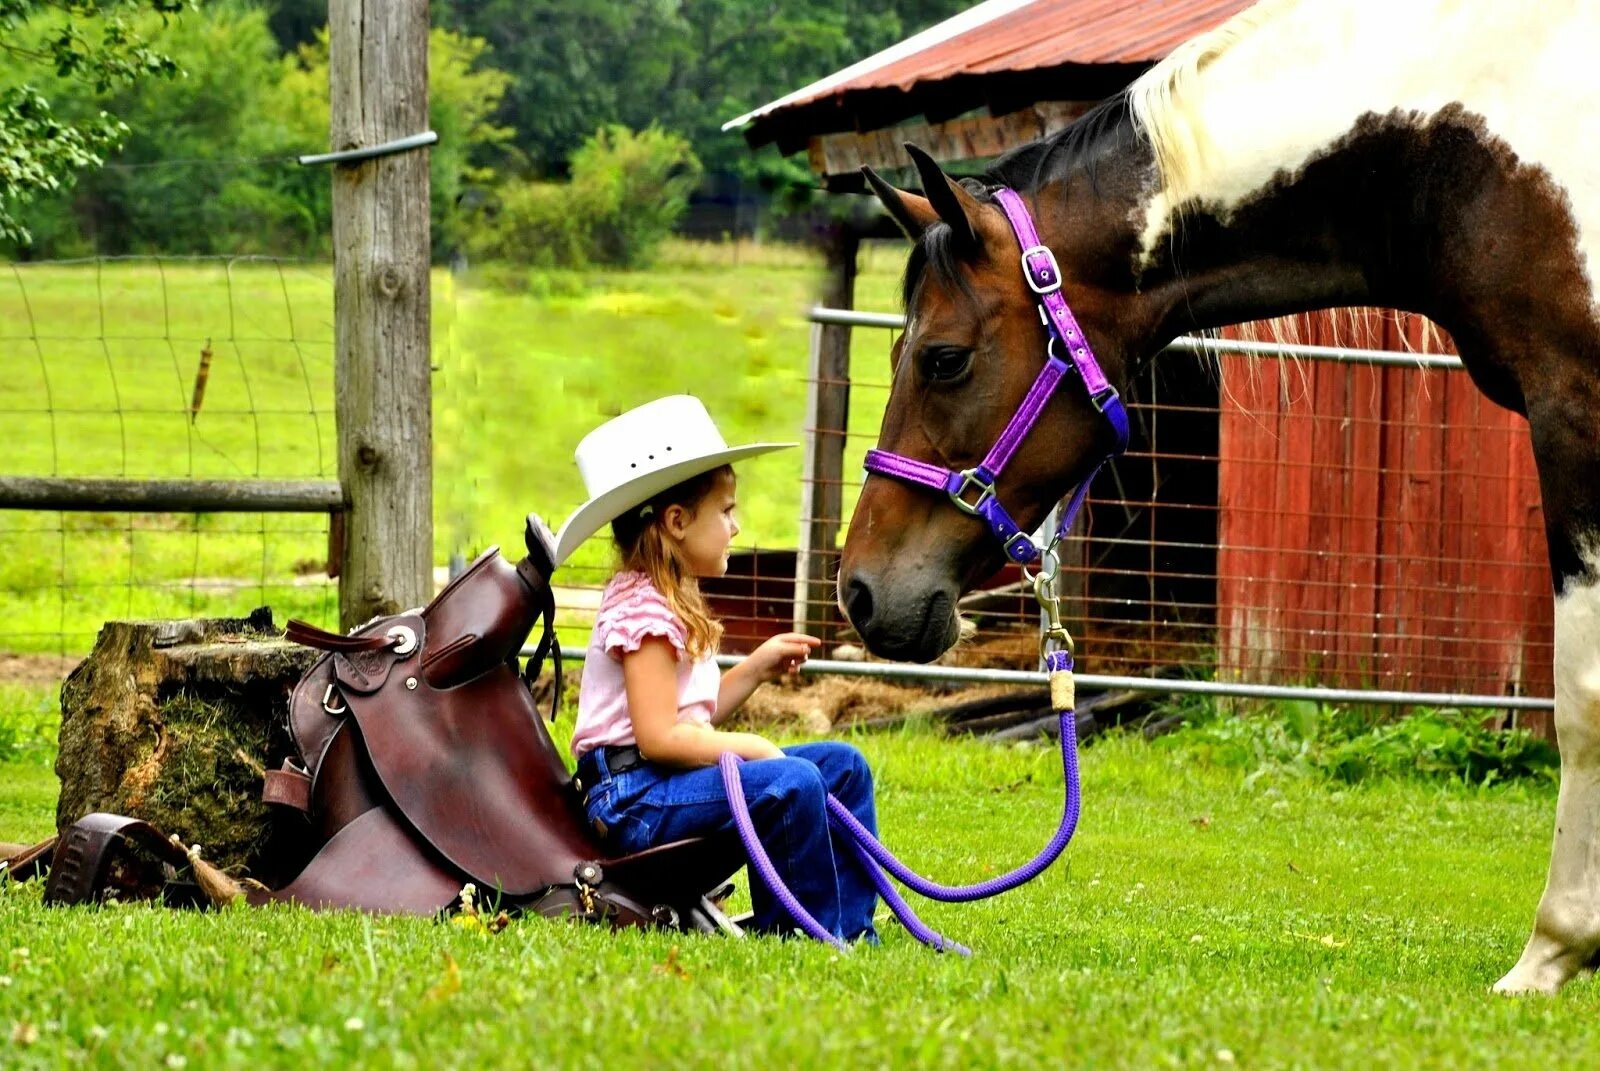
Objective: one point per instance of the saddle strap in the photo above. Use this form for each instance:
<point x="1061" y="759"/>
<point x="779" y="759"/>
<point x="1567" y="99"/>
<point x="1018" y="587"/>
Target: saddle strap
<point x="78" y="872"/>
<point x="288" y="787"/>
<point x="307" y="635"/>
<point x="30" y="862"/>
<point x="548" y="644"/>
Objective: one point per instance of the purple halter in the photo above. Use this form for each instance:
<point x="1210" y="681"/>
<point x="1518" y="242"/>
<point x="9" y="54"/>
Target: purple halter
<point x="1043" y="276"/>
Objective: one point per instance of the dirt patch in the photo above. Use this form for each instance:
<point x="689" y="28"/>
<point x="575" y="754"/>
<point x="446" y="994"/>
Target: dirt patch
<point x="823" y="703"/>
<point x="998" y="650"/>
<point x="34" y="670"/>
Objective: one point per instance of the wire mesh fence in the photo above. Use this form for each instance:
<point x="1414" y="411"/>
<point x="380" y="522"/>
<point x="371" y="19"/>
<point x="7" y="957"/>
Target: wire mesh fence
<point x="1351" y="523"/>
<point x="1358" y="519"/>
<point x="162" y="368"/>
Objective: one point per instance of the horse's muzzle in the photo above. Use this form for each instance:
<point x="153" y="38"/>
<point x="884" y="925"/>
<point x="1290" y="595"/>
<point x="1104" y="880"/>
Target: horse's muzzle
<point x="908" y="622"/>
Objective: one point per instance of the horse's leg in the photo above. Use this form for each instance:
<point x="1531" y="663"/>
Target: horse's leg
<point x="1566" y="930"/>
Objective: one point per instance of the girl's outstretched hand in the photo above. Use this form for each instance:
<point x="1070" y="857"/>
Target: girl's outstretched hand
<point x="782" y="654"/>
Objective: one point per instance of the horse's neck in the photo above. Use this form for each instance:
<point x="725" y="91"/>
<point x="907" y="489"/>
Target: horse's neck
<point x="1337" y="145"/>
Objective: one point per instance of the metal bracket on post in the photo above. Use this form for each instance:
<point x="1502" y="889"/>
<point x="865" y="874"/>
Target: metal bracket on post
<point x="387" y="148"/>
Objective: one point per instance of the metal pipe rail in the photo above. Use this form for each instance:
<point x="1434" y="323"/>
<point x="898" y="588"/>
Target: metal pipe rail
<point x="1151" y="685"/>
<point x="1194" y="344"/>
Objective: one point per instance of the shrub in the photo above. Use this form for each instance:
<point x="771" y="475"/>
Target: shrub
<point x="628" y="190"/>
<point x="639" y="184"/>
<point x="537" y="223"/>
<point x="1305" y="739"/>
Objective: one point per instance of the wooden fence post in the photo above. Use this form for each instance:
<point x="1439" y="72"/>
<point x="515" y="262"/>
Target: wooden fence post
<point x="378" y="91"/>
<point x="827" y="415"/>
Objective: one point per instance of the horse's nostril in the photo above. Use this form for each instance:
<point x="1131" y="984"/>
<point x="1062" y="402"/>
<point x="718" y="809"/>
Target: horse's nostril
<point x="858" y="602"/>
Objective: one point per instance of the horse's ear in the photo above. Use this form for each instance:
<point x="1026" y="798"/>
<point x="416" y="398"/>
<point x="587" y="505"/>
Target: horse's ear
<point x="954" y="204"/>
<point x="911" y="212"/>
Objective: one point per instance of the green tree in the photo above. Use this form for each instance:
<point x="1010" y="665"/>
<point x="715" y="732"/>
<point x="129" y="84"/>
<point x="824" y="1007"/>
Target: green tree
<point x="296" y="22"/>
<point x="88" y="43"/>
<point x="208" y="164"/>
<point x="202" y="168"/>
<point x="685" y="65"/>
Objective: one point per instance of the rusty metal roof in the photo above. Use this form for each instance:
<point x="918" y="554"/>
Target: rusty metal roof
<point x="1001" y="54"/>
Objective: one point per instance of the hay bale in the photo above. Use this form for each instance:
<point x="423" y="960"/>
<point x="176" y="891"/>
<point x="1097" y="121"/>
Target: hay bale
<point x="175" y="722"/>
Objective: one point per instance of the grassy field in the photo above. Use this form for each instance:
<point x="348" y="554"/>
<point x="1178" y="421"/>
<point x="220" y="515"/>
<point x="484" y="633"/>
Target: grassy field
<point x="1227" y="902"/>
<point x="102" y="362"/>
<point x="1206" y="916"/>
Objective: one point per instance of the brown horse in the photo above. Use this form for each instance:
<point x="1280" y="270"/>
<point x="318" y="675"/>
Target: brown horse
<point x="1427" y="155"/>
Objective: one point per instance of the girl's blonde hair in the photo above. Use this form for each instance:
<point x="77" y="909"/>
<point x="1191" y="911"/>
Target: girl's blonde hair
<point x="645" y="546"/>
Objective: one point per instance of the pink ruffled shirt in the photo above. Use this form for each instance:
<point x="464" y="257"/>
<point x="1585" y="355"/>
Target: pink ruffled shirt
<point x="631" y="609"/>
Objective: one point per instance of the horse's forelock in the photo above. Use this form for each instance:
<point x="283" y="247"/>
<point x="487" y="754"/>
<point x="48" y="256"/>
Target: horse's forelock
<point x="934" y="257"/>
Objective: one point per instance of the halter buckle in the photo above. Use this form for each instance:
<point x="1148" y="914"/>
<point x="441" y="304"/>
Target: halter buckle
<point x="1042" y="278"/>
<point x="1103" y="399"/>
<point x="1020" y="549"/>
<point x="971" y="478"/>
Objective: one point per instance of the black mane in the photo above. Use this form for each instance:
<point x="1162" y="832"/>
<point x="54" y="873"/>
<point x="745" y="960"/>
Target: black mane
<point x="1082" y="144"/>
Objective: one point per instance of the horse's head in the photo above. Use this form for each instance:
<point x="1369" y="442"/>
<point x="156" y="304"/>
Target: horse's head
<point x="973" y="346"/>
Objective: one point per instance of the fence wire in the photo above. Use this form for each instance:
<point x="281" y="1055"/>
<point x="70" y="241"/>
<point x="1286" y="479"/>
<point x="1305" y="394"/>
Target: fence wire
<point x="163" y="367"/>
<point x="1371" y="524"/>
<point x="1279" y="522"/>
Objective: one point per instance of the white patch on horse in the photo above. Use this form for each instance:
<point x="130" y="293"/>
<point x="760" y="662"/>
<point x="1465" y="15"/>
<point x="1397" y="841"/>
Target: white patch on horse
<point x="1292" y="77"/>
<point x="1566" y="933"/>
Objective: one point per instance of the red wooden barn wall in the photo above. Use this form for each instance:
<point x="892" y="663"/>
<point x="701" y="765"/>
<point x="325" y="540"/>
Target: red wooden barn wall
<point x="1377" y="527"/>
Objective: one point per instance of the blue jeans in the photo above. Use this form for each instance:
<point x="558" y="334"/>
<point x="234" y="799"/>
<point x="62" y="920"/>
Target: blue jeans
<point x="651" y="805"/>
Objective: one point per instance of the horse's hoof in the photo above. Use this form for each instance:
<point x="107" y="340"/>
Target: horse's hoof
<point x="1543" y="980"/>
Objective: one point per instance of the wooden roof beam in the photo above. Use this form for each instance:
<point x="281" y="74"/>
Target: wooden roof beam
<point x="837" y="158"/>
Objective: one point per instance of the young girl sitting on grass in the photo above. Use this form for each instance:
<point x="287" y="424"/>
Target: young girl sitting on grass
<point x="652" y="696"/>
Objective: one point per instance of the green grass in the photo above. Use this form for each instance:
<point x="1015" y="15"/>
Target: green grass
<point x="1227" y="900"/>
<point x="1201" y="918"/>
<point x="101" y="365"/>
<point x="535" y="360"/>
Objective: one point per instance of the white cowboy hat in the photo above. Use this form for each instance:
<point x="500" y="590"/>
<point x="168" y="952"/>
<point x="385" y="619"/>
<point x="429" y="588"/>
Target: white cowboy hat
<point x="630" y="459"/>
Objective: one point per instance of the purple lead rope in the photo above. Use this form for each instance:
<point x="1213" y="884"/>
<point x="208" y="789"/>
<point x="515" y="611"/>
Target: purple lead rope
<point x="902" y="910"/>
<point x="729" y="764"/>
<point x="876" y="858"/>
<point x="956" y="894"/>
<point x="1043" y="277"/>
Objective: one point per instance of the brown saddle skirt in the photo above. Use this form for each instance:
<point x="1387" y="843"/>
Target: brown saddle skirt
<point x="423" y="765"/>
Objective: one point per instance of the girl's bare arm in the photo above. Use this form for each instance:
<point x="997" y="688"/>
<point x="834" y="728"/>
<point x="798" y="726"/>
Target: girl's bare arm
<point x="779" y="655"/>
<point x="650" y="676"/>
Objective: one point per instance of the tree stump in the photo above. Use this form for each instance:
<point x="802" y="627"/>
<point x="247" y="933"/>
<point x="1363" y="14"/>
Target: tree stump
<point x="176" y="722"/>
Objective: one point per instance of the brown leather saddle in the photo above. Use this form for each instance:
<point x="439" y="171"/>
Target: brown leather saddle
<point x="424" y="765"/>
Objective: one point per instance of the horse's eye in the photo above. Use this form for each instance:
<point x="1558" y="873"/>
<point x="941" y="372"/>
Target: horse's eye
<point x="945" y="363"/>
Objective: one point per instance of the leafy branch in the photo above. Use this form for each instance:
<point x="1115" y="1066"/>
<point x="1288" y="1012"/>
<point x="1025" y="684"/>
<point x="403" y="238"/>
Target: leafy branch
<point x="101" y="44"/>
